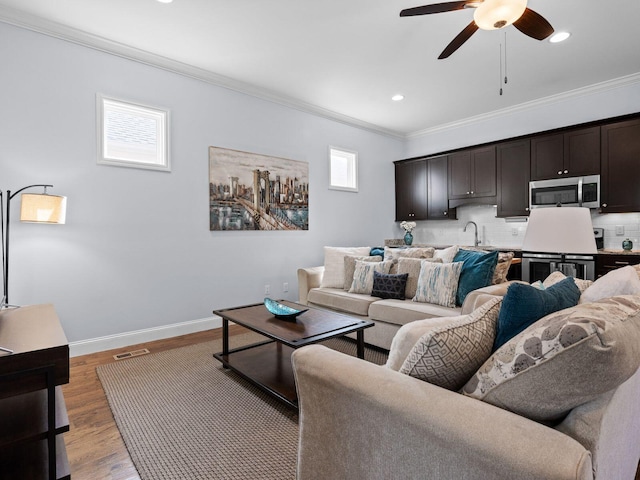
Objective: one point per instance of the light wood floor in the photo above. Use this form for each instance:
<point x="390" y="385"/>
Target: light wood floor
<point x="94" y="445"/>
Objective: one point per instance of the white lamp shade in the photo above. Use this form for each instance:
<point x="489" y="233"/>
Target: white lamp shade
<point x="43" y="208"/>
<point x="560" y="230"/>
<point x="494" y="14"/>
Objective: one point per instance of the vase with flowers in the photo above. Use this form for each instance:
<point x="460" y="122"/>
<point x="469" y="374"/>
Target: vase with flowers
<point x="408" y="228"/>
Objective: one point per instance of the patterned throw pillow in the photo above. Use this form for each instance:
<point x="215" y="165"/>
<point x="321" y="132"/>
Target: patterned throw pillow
<point x="438" y="283"/>
<point x="502" y="268"/>
<point x="448" y="356"/>
<point x="564" y="360"/>
<point x="395" y="254"/>
<point x="350" y="267"/>
<point x="333" y="276"/>
<point x="363" y="275"/>
<point x="389" y="286"/>
<point x="524" y="305"/>
<point x="412" y="266"/>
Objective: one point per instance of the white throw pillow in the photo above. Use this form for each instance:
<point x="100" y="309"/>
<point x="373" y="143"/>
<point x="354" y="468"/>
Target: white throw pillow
<point x="446" y="254"/>
<point x="438" y="283"/>
<point x="363" y="275"/>
<point x="333" y="276"/>
<point x="622" y="281"/>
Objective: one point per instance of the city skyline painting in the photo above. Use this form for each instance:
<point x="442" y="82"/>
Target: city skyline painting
<point x="249" y="191"/>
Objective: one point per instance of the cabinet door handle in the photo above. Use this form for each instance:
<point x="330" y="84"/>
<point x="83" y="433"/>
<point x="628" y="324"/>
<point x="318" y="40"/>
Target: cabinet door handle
<point x="468" y="193"/>
<point x="444" y="213"/>
<point x="604" y="205"/>
<point x="471" y="192"/>
<point x="566" y="171"/>
<point x="526" y="209"/>
<point x="621" y="263"/>
<point x="559" y="172"/>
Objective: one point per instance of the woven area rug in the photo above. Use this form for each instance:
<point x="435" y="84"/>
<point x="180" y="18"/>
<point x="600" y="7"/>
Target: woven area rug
<point x="182" y="416"/>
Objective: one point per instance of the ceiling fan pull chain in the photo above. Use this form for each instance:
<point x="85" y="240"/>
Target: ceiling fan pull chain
<point x="505" y="57"/>
<point x="500" y="80"/>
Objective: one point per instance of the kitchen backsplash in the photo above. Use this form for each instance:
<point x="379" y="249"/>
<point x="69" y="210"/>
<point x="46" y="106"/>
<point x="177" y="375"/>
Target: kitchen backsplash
<point x="500" y="233"/>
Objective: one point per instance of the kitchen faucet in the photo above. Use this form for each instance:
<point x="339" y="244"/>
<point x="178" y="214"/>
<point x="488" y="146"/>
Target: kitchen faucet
<point x="476" y="242"/>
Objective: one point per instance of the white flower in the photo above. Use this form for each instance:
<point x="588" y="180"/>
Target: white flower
<point x="408" y="226"/>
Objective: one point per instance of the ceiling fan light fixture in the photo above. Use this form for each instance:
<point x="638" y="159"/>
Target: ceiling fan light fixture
<point x="398" y="97"/>
<point x="495" y="14"/>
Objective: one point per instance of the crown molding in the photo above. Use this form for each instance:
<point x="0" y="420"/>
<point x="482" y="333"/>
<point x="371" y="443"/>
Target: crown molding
<point x="596" y="88"/>
<point x="54" y="29"/>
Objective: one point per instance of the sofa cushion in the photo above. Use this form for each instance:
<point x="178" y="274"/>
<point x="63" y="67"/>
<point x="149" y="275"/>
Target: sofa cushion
<point x="333" y="276"/>
<point x="523" y="305"/>
<point x="350" y="267"/>
<point x="477" y="271"/>
<point x="449" y="355"/>
<point x="564" y="360"/>
<point x="438" y="283"/>
<point x="412" y="266"/>
<point x="338" y="299"/>
<point x="401" y="312"/>
<point x="622" y="281"/>
<point x="363" y="275"/>
<point x="446" y="254"/>
<point x="389" y="286"/>
<point x="395" y="254"/>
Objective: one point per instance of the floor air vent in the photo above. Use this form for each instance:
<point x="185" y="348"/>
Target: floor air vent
<point x="135" y="353"/>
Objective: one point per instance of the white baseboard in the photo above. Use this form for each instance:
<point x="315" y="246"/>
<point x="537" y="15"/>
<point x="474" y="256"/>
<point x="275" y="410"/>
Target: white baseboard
<point x="93" y="345"/>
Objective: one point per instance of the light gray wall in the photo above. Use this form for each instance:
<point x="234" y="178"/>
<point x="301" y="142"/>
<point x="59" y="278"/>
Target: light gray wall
<point x="136" y="252"/>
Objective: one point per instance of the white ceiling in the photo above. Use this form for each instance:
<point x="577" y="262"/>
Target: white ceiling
<point x="346" y="58"/>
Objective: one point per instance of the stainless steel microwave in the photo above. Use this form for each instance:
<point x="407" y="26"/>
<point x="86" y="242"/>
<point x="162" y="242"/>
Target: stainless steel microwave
<point x="567" y="192"/>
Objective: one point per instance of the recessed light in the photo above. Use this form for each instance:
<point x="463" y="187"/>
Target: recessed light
<point x="165" y="1"/>
<point x="397" y="98"/>
<point x="559" y="37"/>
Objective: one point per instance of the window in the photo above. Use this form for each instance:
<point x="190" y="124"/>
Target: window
<point x="132" y="135"/>
<point x="344" y="169"/>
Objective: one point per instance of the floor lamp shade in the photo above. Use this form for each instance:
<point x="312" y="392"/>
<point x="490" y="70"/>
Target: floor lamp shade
<point x="43" y="208"/>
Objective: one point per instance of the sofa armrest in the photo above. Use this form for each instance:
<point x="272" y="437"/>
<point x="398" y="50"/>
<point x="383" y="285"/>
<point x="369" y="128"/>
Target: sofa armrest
<point x="308" y="278"/>
<point x="360" y="420"/>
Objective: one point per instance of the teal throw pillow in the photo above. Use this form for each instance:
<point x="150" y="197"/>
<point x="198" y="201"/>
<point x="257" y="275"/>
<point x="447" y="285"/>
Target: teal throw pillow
<point x="523" y="305"/>
<point x="387" y="285"/>
<point x="477" y="271"/>
<point x="377" y="251"/>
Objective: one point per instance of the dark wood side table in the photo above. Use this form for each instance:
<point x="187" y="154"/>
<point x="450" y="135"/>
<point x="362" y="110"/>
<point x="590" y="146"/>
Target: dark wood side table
<point x="32" y="410"/>
<point x="268" y="364"/>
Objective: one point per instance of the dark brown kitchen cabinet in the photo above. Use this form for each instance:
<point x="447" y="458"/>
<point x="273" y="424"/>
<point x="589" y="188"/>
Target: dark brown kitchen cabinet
<point x="606" y="262"/>
<point x="411" y="190"/>
<point x="472" y="174"/>
<point x="437" y="190"/>
<point x="513" y="160"/>
<point x="569" y="154"/>
<point x="620" y="174"/>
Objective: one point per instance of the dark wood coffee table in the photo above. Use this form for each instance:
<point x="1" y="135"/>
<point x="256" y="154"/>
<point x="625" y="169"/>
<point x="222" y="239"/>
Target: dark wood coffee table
<point x="268" y="364"/>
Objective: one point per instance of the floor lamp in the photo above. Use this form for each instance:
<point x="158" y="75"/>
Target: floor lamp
<point x="35" y="208"/>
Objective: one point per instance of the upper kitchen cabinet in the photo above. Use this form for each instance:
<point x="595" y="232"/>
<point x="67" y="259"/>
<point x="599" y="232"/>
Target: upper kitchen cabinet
<point x="411" y="190"/>
<point x="620" y="175"/>
<point x="437" y="190"/>
<point x="513" y="178"/>
<point x="472" y="175"/>
<point x="570" y="154"/>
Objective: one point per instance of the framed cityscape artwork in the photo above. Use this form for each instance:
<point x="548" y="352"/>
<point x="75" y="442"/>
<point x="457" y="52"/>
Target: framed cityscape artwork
<point x="249" y="191"/>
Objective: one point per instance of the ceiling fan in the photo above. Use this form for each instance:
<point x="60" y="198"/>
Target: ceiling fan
<point x="488" y="15"/>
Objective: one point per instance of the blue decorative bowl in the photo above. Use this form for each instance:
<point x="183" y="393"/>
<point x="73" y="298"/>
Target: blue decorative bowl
<point x="283" y="312"/>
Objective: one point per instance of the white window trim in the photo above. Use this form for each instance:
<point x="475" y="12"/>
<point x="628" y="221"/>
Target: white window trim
<point x="161" y="115"/>
<point x="354" y="173"/>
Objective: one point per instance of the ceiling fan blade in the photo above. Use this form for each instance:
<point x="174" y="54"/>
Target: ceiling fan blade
<point x="435" y="8"/>
<point x="534" y="25"/>
<point x="457" y="42"/>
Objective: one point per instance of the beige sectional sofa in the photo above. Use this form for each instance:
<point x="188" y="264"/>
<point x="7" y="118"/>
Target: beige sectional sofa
<point x="388" y="314"/>
<point x="558" y="401"/>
